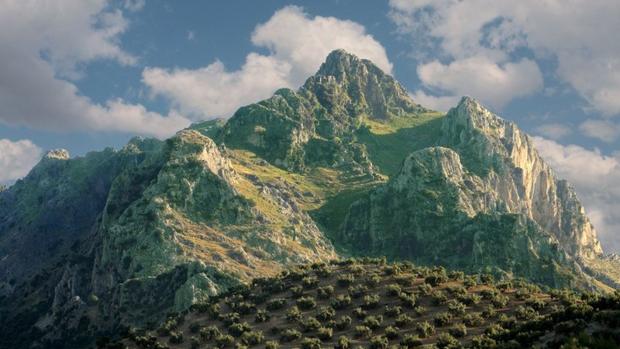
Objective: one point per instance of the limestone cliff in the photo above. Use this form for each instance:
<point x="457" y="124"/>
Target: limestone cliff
<point x="483" y="199"/>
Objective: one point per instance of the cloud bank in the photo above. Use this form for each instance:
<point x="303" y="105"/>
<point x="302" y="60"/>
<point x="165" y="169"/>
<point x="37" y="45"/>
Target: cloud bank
<point x="297" y="45"/>
<point x="491" y="49"/>
<point x="45" y="46"/>
<point x="17" y="158"/>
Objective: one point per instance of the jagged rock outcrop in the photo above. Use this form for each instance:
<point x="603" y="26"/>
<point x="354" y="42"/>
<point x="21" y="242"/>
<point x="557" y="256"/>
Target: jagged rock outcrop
<point x="484" y="199"/>
<point x="315" y="125"/>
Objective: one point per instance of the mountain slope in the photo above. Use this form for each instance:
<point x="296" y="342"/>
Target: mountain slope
<point x="348" y="164"/>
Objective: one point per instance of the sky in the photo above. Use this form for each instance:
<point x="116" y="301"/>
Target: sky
<point x="88" y="74"/>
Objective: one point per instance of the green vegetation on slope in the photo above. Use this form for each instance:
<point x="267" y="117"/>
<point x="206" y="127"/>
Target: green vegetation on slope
<point x="371" y="304"/>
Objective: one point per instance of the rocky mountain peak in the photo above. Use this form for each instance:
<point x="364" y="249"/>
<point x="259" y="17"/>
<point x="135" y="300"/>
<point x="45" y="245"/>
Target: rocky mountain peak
<point x="347" y="84"/>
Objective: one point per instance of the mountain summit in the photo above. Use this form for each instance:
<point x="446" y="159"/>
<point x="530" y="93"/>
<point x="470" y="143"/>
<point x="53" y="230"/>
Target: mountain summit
<point x="346" y="165"/>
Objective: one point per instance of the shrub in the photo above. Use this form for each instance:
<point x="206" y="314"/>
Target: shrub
<point x="310" y="282"/>
<point x="410" y="341"/>
<point x="293" y="314"/>
<point x="469" y="281"/>
<point x="356" y="269"/>
<point x="209" y="333"/>
<point x="456" y="275"/>
<point x="370" y="301"/>
<point x="276" y="304"/>
<point x="494" y="330"/>
<point x="311" y="324"/>
<point x="325" y="333"/>
<point x="392" y="332"/>
<point x="374" y="322"/>
<point x="244" y="308"/>
<point x="176" y="337"/>
<point x="456" y="308"/>
<point x="324" y="292"/>
<point x="522" y="294"/>
<point x="306" y="303"/>
<point x="379" y="342"/>
<point x="341" y="302"/>
<point x="425" y="289"/>
<point x="525" y="313"/>
<point x="345" y="280"/>
<point x="469" y="299"/>
<point x="237" y="329"/>
<point x="405" y="281"/>
<point x="489" y="312"/>
<point x="419" y="310"/>
<point x="499" y="301"/>
<point x="458" y="331"/>
<point x="442" y="319"/>
<point x="343" y="323"/>
<point x="272" y="345"/>
<point x="435" y="279"/>
<point x="457" y="290"/>
<point x="445" y="340"/>
<point x="323" y="271"/>
<point x="408" y="300"/>
<point x="373" y="280"/>
<point x="424" y="329"/>
<point x="357" y="291"/>
<point x="290" y="335"/>
<point x="403" y="320"/>
<point x="326" y="313"/>
<point x="252" y="338"/>
<point x="488" y="294"/>
<point x="194" y="343"/>
<point x="297" y="291"/>
<point x="393" y="290"/>
<point x="343" y="343"/>
<point x="360" y="313"/>
<point x="230" y="318"/>
<point x="261" y="316"/>
<point x="362" y="331"/>
<point x="310" y="343"/>
<point x="536" y="303"/>
<point x="487" y="279"/>
<point x="391" y="270"/>
<point x="224" y="340"/>
<point x="473" y="319"/>
<point x="482" y="341"/>
<point x="438" y="297"/>
<point x="393" y="311"/>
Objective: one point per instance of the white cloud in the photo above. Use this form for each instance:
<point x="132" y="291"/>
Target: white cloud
<point x="436" y="103"/>
<point x="554" y="130"/>
<point x="478" y="76"/>
<point x="46" y="44"/>
<point x="604" y="130"/>
<point x="596" y="178"/>
<point x="297" y="45"/>
<point x="17" y="158"/>
<point x="576" y="35"/>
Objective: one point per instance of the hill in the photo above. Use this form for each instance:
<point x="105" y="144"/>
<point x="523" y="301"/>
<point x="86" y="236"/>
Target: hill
<point x="371" y="304"/>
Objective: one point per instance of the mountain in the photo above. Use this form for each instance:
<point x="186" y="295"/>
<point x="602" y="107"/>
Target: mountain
<point x="347" y="165"/>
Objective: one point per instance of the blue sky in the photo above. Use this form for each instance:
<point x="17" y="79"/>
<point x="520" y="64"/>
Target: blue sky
<point x="84" y="75"/>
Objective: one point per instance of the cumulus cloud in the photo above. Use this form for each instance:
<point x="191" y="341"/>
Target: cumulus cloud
<point x="554" y="130"/>
<point x="297" y="45"/>
<point x="479" y="76"/>
<point x="45" y="46"/>
<point x="17" y="158"/>
<point x="509" y="32"/>
<point x="604" y="130"/>
<point x="596" y="178"/>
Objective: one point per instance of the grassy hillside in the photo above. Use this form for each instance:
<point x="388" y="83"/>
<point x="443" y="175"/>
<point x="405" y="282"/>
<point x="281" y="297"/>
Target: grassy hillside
<point x="372" y="304"/>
